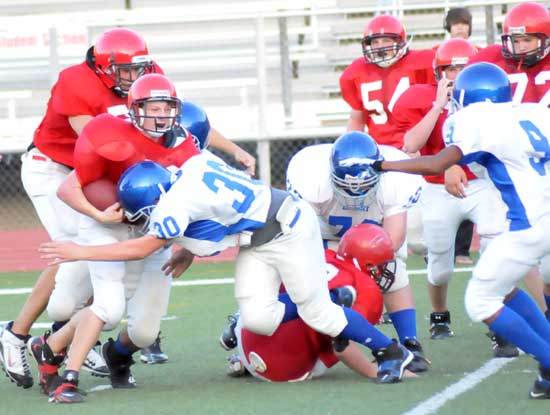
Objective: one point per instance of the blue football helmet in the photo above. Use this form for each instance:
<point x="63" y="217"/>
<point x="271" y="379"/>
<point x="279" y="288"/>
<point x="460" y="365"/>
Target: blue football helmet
<point x="194" y="119"/>
<point x="354" y="181"/>
<point x="140" y="188"/>
<point x="481" y="82"/>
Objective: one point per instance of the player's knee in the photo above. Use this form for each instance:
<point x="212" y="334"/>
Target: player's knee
<point x="479" y="307"/>
<point x="144" y="333"/>
<point x="61" y="309"/>
<point x="111" y="313"/>
<point x="261" y="319"/>
<point x="439" y="278"/>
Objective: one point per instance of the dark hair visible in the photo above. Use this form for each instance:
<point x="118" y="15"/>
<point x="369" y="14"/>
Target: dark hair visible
<point x="458" y="15"/>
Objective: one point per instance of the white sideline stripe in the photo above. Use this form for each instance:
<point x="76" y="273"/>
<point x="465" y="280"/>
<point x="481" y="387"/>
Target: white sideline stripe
<point x="212" y="281"/>
<point x="48" y="325"/>
<point x="438" y="400"/>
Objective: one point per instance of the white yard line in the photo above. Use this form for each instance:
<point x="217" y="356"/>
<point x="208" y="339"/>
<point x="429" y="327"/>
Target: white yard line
<point x="431" y="405"/>
<point x="212" y="281"/>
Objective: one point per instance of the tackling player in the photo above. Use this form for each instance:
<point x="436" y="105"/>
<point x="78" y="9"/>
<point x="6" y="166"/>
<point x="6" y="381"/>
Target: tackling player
<point x="345" y="192"/>
<point x="507" y="144"/>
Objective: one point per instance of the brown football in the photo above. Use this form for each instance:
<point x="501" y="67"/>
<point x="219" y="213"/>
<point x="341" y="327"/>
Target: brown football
<point x="102" y="193"/>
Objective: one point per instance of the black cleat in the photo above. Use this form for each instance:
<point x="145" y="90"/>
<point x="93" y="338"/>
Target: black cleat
<point x="440" y="325"/>
<point x="419" y="362"/>
<point x="228" y="338"/>
<point x="541" y="387"/>
<point x="392" y="361"/>
<point x="153" y="354"/>
<point x="119" y="366"/>
<point x="502" y="347"/>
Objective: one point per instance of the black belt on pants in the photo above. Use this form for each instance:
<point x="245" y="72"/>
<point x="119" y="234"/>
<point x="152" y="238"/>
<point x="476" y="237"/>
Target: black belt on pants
<point x="272" y="227"/>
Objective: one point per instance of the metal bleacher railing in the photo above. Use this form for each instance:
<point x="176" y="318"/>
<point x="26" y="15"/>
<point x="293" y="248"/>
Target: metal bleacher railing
<point x="265" y="71"/>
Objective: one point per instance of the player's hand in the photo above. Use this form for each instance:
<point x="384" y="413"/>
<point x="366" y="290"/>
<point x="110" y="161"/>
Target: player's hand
<point x="409" y="374"/>
<point x="456" y="181"/>
<point x="178" y="263"/>
<point x="247" y="160"/>
<point x="113" y="214"/>
<point x="59" y="252"/>
<point x="444" y="90"/>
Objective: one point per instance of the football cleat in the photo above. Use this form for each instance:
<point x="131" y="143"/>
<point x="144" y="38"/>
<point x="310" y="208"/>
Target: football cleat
<point x="48" y="363"/>
<point x="119" y="366"/>
<point x="502" y="347"/>
<point x="153" y="354"/>
<point x="13" y="357"/>
<point x="392" y="361"/>
<point x="541" y="387"/>
<point x="344" y="296"/>
<point x="235" y="366"/>
<point x="419" y="363"/>
<point x="67" y="391"/>
<point x="440" y="325"/>
<point x="228" y="338"/>
<point x="95" y="364"/>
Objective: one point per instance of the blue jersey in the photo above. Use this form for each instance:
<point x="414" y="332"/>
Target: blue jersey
<point x="507" y="144"/>
<point x="210" y="206"/>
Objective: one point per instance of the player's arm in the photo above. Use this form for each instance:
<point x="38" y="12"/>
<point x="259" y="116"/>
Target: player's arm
<point x="129" y="250"/>
<point x="70" y="192"/>
<point x="78" y="122"/>
<point x="356" y="121"/>
<point x="425" y="165"/>
<point x="354" y="358"/>
<point x="219" y="142"/>
<point x="418" y="135"/>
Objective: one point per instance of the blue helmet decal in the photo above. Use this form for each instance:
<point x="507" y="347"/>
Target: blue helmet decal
<point x="481" y="82"/>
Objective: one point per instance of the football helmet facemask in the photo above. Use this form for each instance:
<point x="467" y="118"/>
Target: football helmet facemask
<point x="527" y="18"/>
<point x="384" y="26"/>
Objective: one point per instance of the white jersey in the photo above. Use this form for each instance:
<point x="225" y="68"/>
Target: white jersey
<point x="209" y="206"/>
<point x="308" y="176"/>
<point x="508" y="145"/>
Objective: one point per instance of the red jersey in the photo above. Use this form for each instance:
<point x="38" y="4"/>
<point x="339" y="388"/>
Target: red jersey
<point x="109" y="145"/>
<point x="374" y="90"/>
<point x="78" y="91"/>
<point x="530" y="84"/>
<point x="410" y="108"/>
<point x="292" y="351"/>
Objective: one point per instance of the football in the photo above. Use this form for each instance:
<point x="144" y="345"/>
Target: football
<point x="101" y="194"/>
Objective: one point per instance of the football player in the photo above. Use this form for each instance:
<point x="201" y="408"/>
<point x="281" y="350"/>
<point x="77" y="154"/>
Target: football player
<point x="507" y="144"/>
<point x="97" y="85"/>
<point x="420" y="113"/>
<point x="372" y="84"/>
<point x="363" y="263"/>
<point x="345" y="192"/>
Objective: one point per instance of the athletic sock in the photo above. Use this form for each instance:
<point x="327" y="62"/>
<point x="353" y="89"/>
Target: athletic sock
<point x="404" y="322"/>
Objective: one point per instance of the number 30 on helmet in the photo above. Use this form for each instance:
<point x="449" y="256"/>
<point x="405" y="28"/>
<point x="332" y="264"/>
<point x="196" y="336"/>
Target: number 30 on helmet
<point x="370" y="249"/>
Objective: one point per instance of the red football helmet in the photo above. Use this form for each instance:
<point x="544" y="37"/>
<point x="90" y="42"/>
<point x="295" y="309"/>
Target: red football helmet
<point x="120" y="57"/>
<point x="385" y="26"/>
<point x="527" y="19"/>
<point x="452" y="52"/>
<point x="370" y="249"/>
<point x="143" y="97"/>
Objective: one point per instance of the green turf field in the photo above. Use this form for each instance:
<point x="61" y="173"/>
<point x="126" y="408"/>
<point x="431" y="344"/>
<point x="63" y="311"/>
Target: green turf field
<point x="194" y="380"/>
